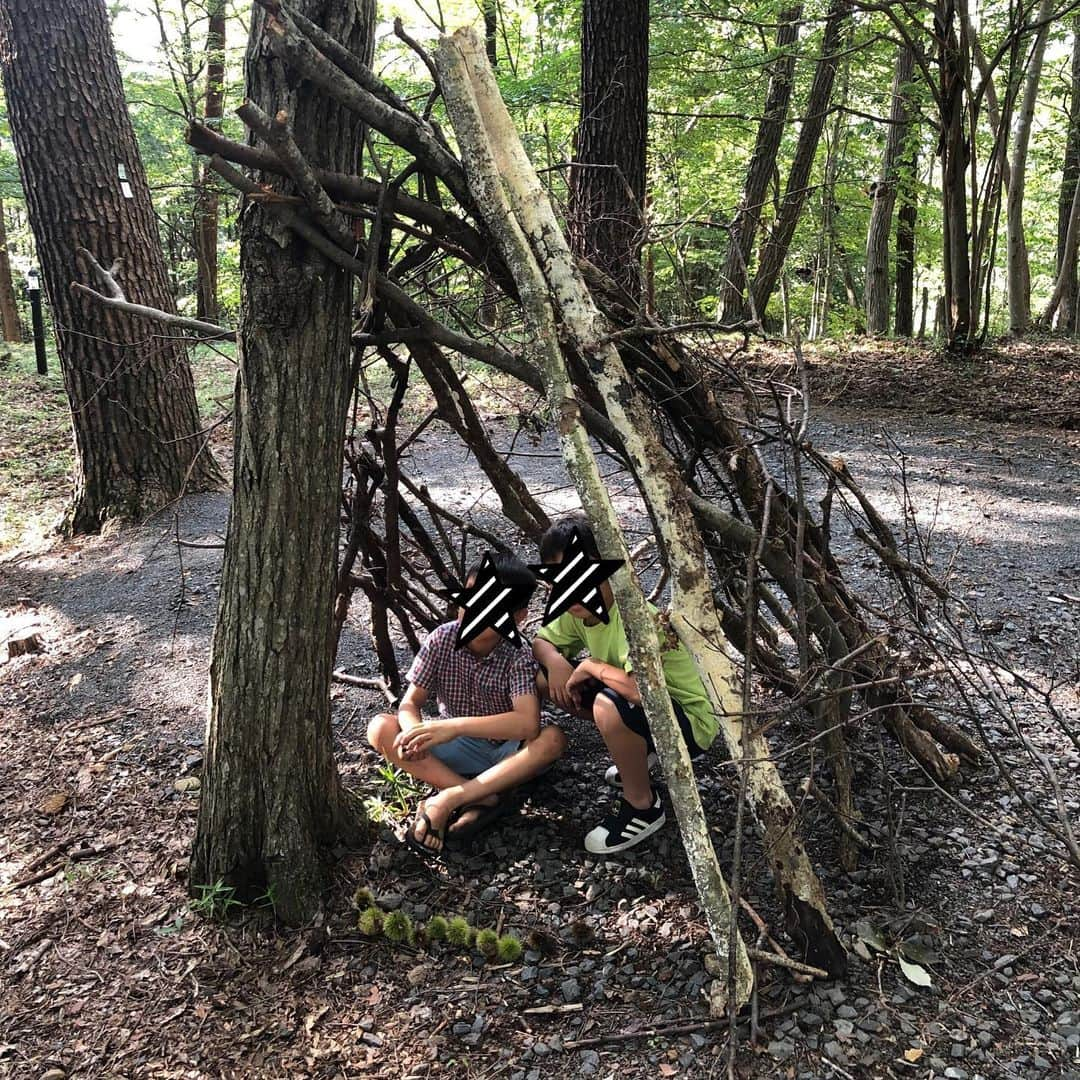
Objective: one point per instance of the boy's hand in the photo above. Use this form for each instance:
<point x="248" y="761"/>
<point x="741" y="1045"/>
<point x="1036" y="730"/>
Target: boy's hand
<point x="579" y="679"/>
<point x="417" y="742"/>
<point x="559" y="676"/>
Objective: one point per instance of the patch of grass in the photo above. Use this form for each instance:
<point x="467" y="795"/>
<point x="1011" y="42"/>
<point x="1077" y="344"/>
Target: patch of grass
<point x="398" y="790"/>
<point x="36" y="452"/>
<point x="214" y="901"/>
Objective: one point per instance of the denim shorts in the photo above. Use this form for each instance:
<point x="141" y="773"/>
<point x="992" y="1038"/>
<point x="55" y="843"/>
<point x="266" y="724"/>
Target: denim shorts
<point x="469" y="756"/>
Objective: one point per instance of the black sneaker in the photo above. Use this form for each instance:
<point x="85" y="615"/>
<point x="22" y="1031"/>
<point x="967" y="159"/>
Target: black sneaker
<point x="626" y="827"/>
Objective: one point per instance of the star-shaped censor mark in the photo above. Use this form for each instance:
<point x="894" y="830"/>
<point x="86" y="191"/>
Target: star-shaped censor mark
<point x="490" y="604"/>
<point x="576" y="580"/>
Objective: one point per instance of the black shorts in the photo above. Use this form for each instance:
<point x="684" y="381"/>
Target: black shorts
<point x="633" y="716"/>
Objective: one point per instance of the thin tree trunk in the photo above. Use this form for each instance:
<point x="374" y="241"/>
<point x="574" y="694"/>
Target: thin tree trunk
<point x="9" y="309"/>
<point x="1019" y="276"/>
<point x="954" y="153"/>
<point x="134" y="415"/>
<point x="1072" y="246"/>
<point x="877" y="236"/>
<point x="272" y="800"/>
<point x="1070" y="175"/>
<point x="775" y="249"/>
<point x="762" y="165"/>
<point x="206" y="198"/>
<point x="906" y="220"/>
<point x="607" y="181"/>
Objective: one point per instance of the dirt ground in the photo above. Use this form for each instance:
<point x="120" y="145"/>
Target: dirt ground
<point x="109" y="972"/>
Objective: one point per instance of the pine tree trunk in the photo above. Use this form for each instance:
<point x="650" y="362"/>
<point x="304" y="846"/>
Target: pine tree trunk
<point x="906" y="219"/>
<point x="774" y="250"/>
<point x="9" y="309"/>
<point x="133" y="406"/>
<point x="607" y="181"/>
<point x="272" y="798"/>
<point x="206" y="198"/>
<point x="1019" y="276"/>
<point x="877" y="236"/>
<point x="759" y="172"/>
<point x="954" y="153"/>
<point x="1070" y="175"/>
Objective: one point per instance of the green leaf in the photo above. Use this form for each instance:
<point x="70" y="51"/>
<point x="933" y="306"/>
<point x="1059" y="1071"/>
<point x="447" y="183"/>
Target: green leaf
<point x="914" y="973"/>
<point x="918" y="952"/>
<point x="870" y="934"/>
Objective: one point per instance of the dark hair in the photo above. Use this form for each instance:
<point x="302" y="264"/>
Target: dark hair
<point x="556" y="539"/>
<point x="509" y="569"/>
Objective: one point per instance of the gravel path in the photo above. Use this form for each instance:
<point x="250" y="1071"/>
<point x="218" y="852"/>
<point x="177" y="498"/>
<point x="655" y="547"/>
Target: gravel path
<point x="112" y="715"/>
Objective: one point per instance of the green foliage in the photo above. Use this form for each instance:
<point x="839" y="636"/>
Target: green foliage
<point x="509" y="949"/>
<point x="487" y="943"/>
<point x="459" y="933"/>
<point x="370" y="921"/>
<point x="398" y="928"/>
<point x="214" y="901"/>
<point x="437" y="928"/>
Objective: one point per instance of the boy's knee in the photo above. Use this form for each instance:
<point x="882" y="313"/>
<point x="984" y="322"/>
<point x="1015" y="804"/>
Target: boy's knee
<point x="381" y="731"/>
<point x="555" y="739"/>
<point x="606" y="713"/>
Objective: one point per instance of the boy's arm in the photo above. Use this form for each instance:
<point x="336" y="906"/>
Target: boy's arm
<point x="409" y="711"/>
<point x="622" y="682"/>
<point x="559" y="670"/>
<point x="521" y="723"/>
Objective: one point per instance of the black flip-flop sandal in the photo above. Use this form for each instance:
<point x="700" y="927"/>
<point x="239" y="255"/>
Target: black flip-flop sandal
<point x="418" y="845"/>
<point x="485" y="818"/>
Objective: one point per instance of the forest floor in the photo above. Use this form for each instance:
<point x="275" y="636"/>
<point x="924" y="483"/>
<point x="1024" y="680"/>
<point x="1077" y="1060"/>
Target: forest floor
<point x="108" y="971"/>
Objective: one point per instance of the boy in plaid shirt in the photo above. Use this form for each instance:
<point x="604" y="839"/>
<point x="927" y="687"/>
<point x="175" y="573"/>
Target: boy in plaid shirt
<point x="487" y="737"/>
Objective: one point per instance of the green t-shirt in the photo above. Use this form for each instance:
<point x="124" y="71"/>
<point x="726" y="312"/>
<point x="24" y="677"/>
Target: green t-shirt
<point x="607" y="642"/>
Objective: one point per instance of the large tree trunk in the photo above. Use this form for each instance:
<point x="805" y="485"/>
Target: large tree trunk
<point x="133" y="407"/>
<point x="1070" y="175"/>
<point x="775" y="249"/>
<point x="206" y="197"/>
<point x="607" y="181"/>
<point x="1019" y="275"/>
<point x="877" y="236"/>
<point x="272" y="799"/>
<point x="759" y="172"/>
<point x="9" y="309"/>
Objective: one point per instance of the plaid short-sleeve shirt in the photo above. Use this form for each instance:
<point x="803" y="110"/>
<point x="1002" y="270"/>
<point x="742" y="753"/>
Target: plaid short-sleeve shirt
<point x="464" y="684"/>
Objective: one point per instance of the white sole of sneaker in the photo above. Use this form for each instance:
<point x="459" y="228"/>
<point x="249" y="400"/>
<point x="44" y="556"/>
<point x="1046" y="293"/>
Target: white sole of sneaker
<point x="595" y="841"/>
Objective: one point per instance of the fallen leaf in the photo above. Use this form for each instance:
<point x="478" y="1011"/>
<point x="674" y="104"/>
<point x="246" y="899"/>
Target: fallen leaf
<point x="187" y="783"/>
<point x="54" y="803"/>
<point x="668" y="1070"/>
<point x="913" y="1054"/>
<point x="914" y="973"/>
<point x="870" y="934"/>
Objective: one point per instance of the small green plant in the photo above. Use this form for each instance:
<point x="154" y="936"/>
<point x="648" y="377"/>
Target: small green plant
<point x="509" y="949"/>
<point x="370" y="921"/>
<point x="214" y="901"/>
<point x="437" y="928"/>
<point x="459" y="933"/>
<point x="487" y="943"/>
<point x="398" y="928"/>
<point x="363" y="898"/>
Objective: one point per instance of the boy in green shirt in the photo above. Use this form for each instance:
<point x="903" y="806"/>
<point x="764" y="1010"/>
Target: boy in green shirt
<point x="603" y="688"/>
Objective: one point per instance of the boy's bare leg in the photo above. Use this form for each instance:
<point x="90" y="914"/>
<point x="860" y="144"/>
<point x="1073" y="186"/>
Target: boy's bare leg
<point x="483" y="790"/>
<point x="381" y="732"/>
<point x="628" y="750"/>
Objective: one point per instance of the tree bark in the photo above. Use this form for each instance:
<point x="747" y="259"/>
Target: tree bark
<point x="774" y="250"/>
<point x="1019" y="270"/>
<point x="134" y="415"/>
<point x="906" y="219"/>
<point x="884" y="196"/>
<point x="607" y="180"/>
<point x="759" y="172"/>
<point x="1070" y="175"/>
<point x="206" y="197"/>
<point x="954" y="152"/>
<point x="9" y="309"/>
<point x="272" y="799"/>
